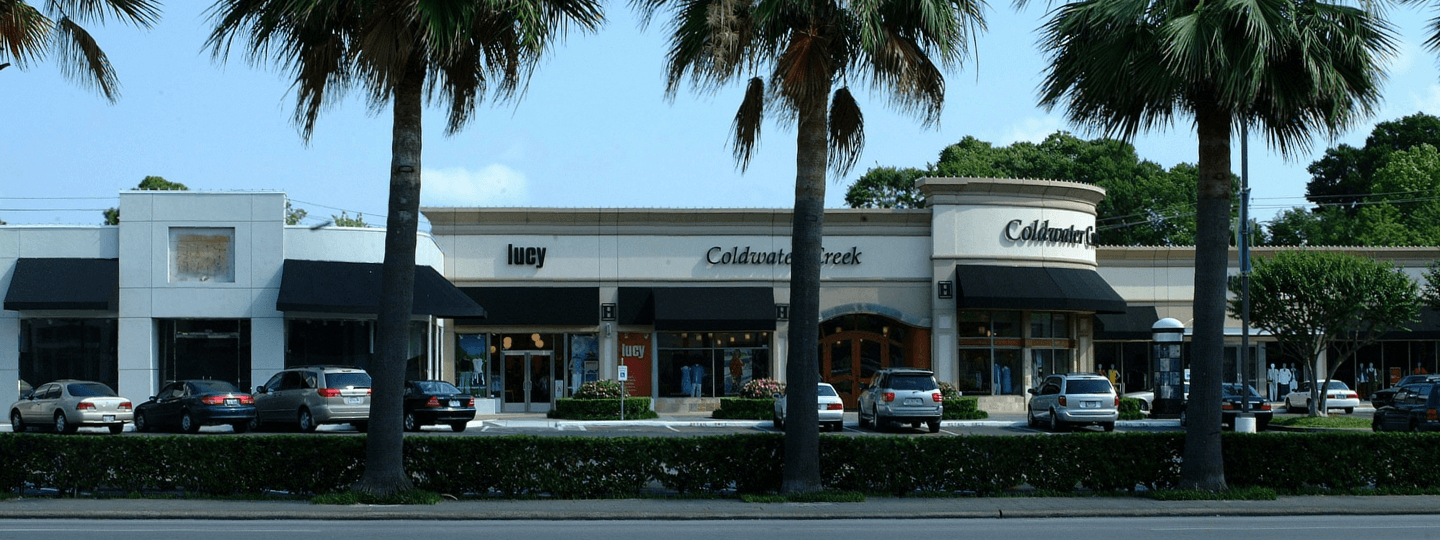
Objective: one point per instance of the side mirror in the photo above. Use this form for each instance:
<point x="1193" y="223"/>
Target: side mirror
<point x="1029" y="390"/>
<point x="259" y="389"/>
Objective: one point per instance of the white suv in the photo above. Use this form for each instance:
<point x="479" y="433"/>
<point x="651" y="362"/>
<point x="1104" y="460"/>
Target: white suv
<point x="1074" y="399"/>
<point x="904" y="396"/>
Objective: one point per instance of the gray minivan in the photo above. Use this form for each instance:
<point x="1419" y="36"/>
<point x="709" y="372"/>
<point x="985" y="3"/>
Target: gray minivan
<point x="1074" y="399"/>
<point x="306" y="397"/>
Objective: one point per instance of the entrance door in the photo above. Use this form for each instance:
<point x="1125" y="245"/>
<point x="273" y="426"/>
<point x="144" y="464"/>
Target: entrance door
<point x="850" y="359"/>
<point x="530" y="381"/>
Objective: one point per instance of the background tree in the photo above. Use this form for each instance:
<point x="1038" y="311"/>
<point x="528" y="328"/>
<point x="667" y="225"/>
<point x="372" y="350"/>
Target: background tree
<point x="1288" y="67"/>
<point x="887" y="187"/>
<point x="1404" y="206"/>
<point x="804" y="48"/>
<point x="344" y="220"/>
<point x="149" y="183"/>
<point x="1315" y="301"/>
<point x="293" y="215"/>
<point x="28" y="34"/>
<point x="398" y="53"/>
<point x="1431" y="292"/>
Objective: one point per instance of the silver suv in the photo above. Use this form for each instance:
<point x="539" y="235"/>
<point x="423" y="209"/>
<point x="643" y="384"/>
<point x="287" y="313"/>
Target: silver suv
<point x="1074" y="399"/>
<point x="306" y="397"/>
<point x="902" y="395"/>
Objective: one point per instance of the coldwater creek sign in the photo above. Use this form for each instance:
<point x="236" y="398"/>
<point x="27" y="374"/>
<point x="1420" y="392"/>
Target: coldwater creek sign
<point x="1041" y="231"/>
<point x="736" y="255"/>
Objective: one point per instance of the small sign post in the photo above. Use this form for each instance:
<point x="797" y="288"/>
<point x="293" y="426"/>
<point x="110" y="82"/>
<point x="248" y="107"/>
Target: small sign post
<point x="624" y="376"/>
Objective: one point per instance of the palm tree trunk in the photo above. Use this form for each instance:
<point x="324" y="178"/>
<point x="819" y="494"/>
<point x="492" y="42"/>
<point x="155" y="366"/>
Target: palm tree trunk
<point x="385" y="444"/>
<point x="801" y="473"/>
<point x="1203" y="467"/>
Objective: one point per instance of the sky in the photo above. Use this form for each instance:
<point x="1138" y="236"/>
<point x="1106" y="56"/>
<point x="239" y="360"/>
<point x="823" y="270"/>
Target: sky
<point x="593" y="130"/>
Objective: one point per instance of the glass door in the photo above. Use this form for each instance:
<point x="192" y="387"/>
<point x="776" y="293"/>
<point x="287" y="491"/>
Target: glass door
<point x="530" y="381"/>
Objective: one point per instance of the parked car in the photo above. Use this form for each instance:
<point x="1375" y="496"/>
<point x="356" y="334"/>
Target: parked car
<point x="437" y="402"/>
<point x="187" y="405"/>
<point x="68" y="404"/>
<point x="1337" y="396"/>
<point x="1413" y="408"/>
<point x="1147" y="397"/>
<point x="306" y="397"/>
<point x="1382" y="397"/>
<point x="831" y="408"/>
<point x="902" y="395"/>
<point x="1232" y="403"/>
<point x="1073" y="399"/>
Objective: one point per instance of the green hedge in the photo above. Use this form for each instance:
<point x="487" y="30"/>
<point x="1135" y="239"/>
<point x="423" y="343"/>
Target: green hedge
<point x="636" y="408"/>
<point x="963" y="408"/>
<point x="1130" y="409"/>
<point x="587" y="467"/>
<point x="745" y="409"/>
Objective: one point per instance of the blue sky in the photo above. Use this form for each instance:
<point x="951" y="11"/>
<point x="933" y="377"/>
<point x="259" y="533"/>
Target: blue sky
<point x="594" y="129"/>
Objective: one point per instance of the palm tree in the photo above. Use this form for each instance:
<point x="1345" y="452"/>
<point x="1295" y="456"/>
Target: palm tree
<point x="399" y="53"/>
<point x="27" y="35"/>
<point x="1290" y="67"/>
<point x="794" y="53"/>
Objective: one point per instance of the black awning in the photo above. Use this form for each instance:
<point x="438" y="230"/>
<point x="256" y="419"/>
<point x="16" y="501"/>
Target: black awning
<point x="1428" y="327"/>
<point x="1033" y="287"/>
<point x="74" y="284"/>
<point x="347" y="287"/>
<point x="547" y="306"/>
<point x="1133" y="325"/>
<point x="699" y="308"/>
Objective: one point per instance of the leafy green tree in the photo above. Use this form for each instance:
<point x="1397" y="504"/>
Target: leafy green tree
<point x="1431" y="292"/>
<point x="804" y="49"/>
<point x="1316" y="301"/>
<point x="1344" y="176"/>
<point x="886" y="187"/>
<point x="28" y="34"/>
<point x="1404" y="209"/>
<point x="1288" y="67"/>
<point x="1320" y="226"/>
<point x="399" y="53"/>
<point x="293" y="215"/>
<point x="344" y="220"/>
<point x="149" y="183"/>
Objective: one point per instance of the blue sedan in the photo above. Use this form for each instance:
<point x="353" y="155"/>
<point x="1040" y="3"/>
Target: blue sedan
<point x="187" y="405"/>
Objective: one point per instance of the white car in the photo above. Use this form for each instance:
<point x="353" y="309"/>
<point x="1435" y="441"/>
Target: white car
<point x="832" y="409"/>
<point x="67" y="404"/>
<point x="1337" y="396"/>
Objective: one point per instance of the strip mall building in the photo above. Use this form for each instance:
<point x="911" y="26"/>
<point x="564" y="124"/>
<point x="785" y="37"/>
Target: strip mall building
<point x="993" y="285"/>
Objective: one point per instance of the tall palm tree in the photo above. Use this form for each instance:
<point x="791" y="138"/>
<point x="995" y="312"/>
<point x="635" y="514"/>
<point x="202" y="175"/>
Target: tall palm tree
<point x="27" y="35"/>
<point x="794" y="53"/>
<point x="399" y="53"/>
<point x="1290" y="67"/>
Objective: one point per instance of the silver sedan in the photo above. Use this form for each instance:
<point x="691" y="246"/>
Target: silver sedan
<point x="832" y="409"/>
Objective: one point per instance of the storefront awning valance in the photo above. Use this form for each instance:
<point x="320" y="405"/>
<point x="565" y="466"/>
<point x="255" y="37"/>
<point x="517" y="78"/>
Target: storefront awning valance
<point x="1133" y="325"/>
<point x="1034" y="288"/>
<point x="698" y="308"/>
<point x="1428" y="327"/>
<point x="348" y="287"/>
<point x="64" y="284"/>
<point x="546" y="306"/>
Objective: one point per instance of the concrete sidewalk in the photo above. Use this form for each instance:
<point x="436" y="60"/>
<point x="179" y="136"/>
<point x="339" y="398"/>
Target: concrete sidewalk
<point x="718" y="509"/>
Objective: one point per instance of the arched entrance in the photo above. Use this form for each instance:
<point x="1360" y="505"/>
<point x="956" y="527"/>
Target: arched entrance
<point x="854" y="347"/>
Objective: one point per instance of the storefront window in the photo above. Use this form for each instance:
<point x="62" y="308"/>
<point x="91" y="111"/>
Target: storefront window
<point x="205" y="349"/>
<point x="472" y="352"/>
<point x="1049" y="325"/>
<point x="711" y="364"/>
<point x="83" y="349"/>
<point x="1048" y="362"/>
<point x="328" y="343"/>
<point x="990" y="353"/>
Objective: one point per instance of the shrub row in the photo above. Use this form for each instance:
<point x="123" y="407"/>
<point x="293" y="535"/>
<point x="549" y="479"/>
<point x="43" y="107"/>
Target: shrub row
<point x="745" y="409"/>
<point x="584" y="467"/>
<point x="636" y="408"/>
<point x="963" y="408"/>
<point x="1130" y="409"/>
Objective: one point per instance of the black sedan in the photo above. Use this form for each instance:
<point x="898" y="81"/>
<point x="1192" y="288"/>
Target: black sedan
<point x="187" y="405"/>
<point x="1232" y="402"/>
<point x="1384" y="396"/>
<point x="437" y="402"/>
<point x="1412" y="409"/>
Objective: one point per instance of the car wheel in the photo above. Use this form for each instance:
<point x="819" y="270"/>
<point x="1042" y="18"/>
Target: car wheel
<point x="141" y="422"/>
<point x="255" y="424"/>
<point x="17" y="423"/>
<point x="837" y="426"/>
<point x="62" y="424"/>
<point x="241" y="427"/>
<point x="188" y="423"/>
<point x="934" y="426"/>
<point x="1349" y="410"/>
<point x="410" y="423"/>
<point x="1288" y="407"/>
<point x="459" y="426"/>
<point x="1055" y="423"/>
<point x="1030" y="420"/>
<point x="864" y="423"/>
<point x="115" y="429"/>
<point x="1109" y="426"/>
<point x="306" y="422"/>
<point x="1375" y="424"/>
<point x="881" y="423"/>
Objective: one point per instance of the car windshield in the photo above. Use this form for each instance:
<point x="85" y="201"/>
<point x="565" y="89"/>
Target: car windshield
<point x="89" y="389"/>
<point x="347" y="380"/>
<point x="1233" y="390"/>
<point x="1088" y="386"/>
<point x="437" y="387"/>
<point x="214" y="387"/>
<point x="913" y="382"/>
<point x="825" y="391"/>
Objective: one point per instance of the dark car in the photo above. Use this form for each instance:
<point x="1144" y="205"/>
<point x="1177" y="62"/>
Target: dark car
<point x="1383" y="396"/>
<point x="187" y="405"/>
<point x="1414" y="408"/>
<point x="1232" y="403"/>
<point x="437" y="402"/>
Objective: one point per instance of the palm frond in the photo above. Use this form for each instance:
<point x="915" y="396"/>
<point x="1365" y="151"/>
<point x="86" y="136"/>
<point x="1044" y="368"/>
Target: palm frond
<point x="805" y="70"/>
<point x="748" y="119"/>
<point x="142" y="13"/>
<point x="24" y="32"/>
<point x="82" y="61"/>
<point x="847" y="132"/>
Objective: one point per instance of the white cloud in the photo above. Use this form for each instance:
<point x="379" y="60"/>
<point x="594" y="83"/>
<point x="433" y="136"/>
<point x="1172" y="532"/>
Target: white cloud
<point x="494" y="185"/>
<point x="1030" y="130"/>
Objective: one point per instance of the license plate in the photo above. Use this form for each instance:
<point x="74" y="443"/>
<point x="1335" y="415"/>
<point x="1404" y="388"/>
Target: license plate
<point x="454" y="403"/>
<point x="354" y="400"/>
<point x="912" y="401"/>
<point x="231" y="402"/>
<point x="1089" y="404"/>
<point x="109" y="418"/>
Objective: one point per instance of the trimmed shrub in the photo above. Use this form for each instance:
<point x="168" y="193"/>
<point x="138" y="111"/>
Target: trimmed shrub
<point x="1130" y="409"/>
<point x="745" y="409"/>
<point x="963" y="408"/>
<point x="636" y="408"/>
